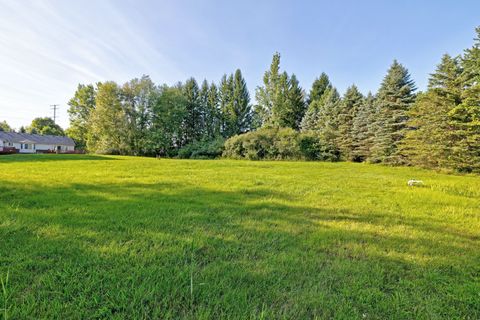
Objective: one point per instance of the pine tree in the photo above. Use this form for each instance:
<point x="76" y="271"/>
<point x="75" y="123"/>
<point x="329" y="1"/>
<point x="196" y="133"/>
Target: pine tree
<point x="280" y="99"/>
<point x="431" y="140"/>
<point x="394" y="99"/>
<point x="350" y="105"/>
<point x="225" y="98"/>
<point x="466" y="116"/>
<point x="327" y="119"/>
<point x="204" y="109"/>
<point x="296" y="98"/>
<point x="361" y="129"/>
<point x="241" y="114"/>
<point x="193" y="124"/>
<point x="319" y="87"/>
<point x="215" y="114"/>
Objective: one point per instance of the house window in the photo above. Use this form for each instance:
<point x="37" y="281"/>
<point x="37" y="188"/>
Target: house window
<point x="26" y="146"/>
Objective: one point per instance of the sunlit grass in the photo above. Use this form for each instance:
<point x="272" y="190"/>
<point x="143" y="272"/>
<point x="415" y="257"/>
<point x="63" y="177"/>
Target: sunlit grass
<point x="123" y="237"/>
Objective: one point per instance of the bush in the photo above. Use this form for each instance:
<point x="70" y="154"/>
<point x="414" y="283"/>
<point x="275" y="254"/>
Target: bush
<point x="279" y="144"/>
<point x="204" y="149"/>
<point x="313" y="147"/>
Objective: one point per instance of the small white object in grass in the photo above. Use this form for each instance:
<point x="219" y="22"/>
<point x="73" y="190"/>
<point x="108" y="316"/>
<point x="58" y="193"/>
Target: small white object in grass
<point x="412" y="183"/>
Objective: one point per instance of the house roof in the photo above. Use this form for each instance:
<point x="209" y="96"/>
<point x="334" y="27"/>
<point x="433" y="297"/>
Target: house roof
<point x="15" y="137"/>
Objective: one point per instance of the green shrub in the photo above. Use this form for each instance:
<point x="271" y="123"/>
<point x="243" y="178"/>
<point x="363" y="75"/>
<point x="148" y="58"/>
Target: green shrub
<point x="279" y="144"/>
<point x="204" y="149"/>
<point x="312" y="147"/>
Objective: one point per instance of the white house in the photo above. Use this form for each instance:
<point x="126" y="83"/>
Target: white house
<point x="35" y="143"/>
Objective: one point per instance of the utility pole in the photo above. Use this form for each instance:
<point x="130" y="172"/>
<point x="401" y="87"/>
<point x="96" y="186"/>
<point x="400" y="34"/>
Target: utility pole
<point x="54" y="107"/>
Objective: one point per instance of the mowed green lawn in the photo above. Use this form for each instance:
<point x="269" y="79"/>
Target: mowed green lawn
<point x="91" y="237"/>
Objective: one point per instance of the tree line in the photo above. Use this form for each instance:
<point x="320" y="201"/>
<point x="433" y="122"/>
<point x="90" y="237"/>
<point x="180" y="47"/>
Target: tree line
<point x="141" y="118"/>
<point x="438" y="128"/>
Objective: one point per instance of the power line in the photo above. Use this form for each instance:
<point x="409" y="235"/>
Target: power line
<point x="54" y="107"/>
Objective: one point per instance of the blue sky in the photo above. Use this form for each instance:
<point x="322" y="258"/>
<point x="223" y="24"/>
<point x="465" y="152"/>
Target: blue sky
<point x="48" y="47"/>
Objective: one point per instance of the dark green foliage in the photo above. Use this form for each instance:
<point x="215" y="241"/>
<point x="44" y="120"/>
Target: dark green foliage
<point x="138" y="98"/>
<point x="279" y="144"/>
<point x="466" y="116"/>
<point x="45" y="126"/>
<point x="211" y="116"/>
<point x="438" y="129"/>
<point x="394" y="99"/>
<point x="313" y="148"/>
<point x="362" y="130"/>
<point x="204" y="149"/>
<point x="193" y="123"/>
<point x="431" y="140"/>
<point x="349" y="107"/>
<point x="236" y="116"/>
<point x="166" y="131"/>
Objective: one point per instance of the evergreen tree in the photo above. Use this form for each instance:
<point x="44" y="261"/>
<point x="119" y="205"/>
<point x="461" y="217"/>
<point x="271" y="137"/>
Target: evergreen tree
<point x="349" y="107"/>
<point x="213" y="113"/>
<point x="280" y="99"/>
<point x="319" y="87"/>
<point x="394" y="99"/>
<point x="361" y="129"/>
<point x="327" y="120"/>
<point x="193" y="124"/>
<point x="431" y="140"/>
<point x="240" y="115"/>
<point x="466" y="116"/>
<point x="225" y="98"/>
<point x="296" y="98"/>
<point x="108" y="128"/>
<point x="204" y="109"/>
<point x="81" y="105"/>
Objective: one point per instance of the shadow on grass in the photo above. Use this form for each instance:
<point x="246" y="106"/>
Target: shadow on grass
<point x="11" y="158"/>
<point x="170" y="250"/>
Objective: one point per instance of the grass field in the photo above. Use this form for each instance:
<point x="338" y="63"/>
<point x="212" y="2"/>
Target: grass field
<point x="91" y="237"/>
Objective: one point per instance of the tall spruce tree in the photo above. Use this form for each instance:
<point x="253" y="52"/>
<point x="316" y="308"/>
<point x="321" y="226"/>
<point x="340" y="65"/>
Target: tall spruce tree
<point x="321" y="87"/>
<point x="431" y="140"/>
<point x="348" y="108"/>
<point x="225" y="98"/>
<point x="361" y="129"/>
<point x="213" y="112"/>
<point x="297" y="105"/>
<point x="204" y="109"/>
<point x="240" y="116"/>
<point x="466" y="116"/>
<point x="193" y="123"/>
<point x="394" y="99"/>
